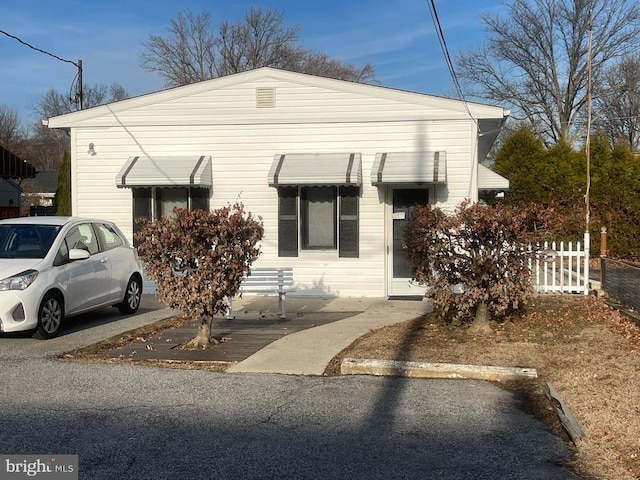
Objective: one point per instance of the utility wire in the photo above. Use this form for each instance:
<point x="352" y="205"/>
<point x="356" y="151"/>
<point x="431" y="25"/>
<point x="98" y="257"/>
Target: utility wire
<point x="79" y="96"/>
<point x="447" y="57"/>
<point x="39" y="50"/>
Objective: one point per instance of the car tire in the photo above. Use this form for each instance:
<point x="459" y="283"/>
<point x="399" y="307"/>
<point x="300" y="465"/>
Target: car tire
<point x="132" y="296"/>
<point x="50" y="315"/>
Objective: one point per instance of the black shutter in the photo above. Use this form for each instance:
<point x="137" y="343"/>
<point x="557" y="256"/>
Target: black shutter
<point x="288" y="221"/>
<point x="349" y="234"/>
<point x="141" y="208"/>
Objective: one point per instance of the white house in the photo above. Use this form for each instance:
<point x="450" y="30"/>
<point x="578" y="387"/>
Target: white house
<point x="331" y="166"/>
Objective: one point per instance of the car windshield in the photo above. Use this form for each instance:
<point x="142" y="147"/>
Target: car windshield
<point x="26" y="241"/>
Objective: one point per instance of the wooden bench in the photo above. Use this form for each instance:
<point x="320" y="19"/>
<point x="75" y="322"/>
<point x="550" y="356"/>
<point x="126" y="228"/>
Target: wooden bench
<point x="267" y="281"/>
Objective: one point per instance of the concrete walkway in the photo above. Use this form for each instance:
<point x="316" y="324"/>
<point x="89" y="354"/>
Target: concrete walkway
<point x="308" y="352"/>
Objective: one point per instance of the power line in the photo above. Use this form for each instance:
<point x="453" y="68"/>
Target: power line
<point x="447" y="57"/>
<point x="78" y="65"/>
<point x="38" y="49"/>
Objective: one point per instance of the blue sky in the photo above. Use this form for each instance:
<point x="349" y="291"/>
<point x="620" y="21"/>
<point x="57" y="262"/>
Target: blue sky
<point x="397" y="37"/>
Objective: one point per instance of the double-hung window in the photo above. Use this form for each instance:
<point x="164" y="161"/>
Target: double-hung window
<point x="156" y="202"/>
<point x="161" y="183"/>
<point x="318" y="202"/>
<point x="318" y="218"/>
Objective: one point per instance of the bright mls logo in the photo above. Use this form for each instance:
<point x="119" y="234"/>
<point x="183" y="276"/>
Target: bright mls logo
<point x="49" y="467"/>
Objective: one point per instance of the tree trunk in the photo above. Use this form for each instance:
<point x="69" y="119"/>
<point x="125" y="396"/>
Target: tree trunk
<point x="481" y="325"/>
<point x="203" y="337"/>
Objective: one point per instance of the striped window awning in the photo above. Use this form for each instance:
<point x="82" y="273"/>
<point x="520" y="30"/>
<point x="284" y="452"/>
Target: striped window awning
<point x="178" y="171"/>
<point x="490" y="181"/>
<point x="409" y="167"/>
<point x="337" y="169"/>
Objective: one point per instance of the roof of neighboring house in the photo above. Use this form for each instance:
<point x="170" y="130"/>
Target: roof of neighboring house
<point x="12" y="166"/>
<point x="44" y="182"/>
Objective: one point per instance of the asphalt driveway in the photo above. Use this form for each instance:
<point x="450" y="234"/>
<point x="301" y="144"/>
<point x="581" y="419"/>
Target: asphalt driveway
<point x="135" y="422"/>
<point x="83" y="330"/>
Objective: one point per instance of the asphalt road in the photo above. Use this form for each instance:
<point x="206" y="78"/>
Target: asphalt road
<point x="134" y="422"/>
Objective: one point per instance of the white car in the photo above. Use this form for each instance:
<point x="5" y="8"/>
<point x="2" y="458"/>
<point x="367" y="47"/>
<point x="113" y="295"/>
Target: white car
<point x="56" y="267"/>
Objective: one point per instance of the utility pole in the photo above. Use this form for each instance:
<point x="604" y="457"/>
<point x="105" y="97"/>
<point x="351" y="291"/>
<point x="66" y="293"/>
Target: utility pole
<point x="587" y="234"/>
<point x="79" y="98"/>
<point x="77" y="65"/>
<point x="588" y="141"/>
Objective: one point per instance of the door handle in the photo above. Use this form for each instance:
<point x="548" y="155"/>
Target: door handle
<point x="104" y="260"/>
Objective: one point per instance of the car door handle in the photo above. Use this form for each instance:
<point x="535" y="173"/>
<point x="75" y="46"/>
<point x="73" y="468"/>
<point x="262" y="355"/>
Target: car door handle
<point x="104" y="260"/>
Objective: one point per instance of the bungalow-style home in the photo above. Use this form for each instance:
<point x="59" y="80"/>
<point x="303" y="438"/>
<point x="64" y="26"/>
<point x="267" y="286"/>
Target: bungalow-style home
<point x="332" y="167"/>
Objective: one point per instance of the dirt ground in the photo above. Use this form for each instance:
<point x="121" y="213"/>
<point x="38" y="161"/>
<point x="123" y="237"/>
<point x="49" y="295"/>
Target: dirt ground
<point x="587" y="350"/>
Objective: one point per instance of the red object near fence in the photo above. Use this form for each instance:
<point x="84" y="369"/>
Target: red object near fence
<point x="9" y="212"/>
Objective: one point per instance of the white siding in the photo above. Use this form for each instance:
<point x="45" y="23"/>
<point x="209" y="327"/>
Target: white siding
<point x="242" y="141"/>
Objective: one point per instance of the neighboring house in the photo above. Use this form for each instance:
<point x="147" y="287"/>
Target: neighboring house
<point x="9" y="198"/>
<point x="39" y="193"/>
<point x="332" y="167"/>
<point x="12" y="170"/>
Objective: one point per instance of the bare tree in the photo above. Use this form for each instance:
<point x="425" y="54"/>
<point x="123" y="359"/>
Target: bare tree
<point x="261" y="41"/>
<point x="536" y="58"/>
<point x="192" y="52"/>
<point x="13" y="133"/>
<point x="53" y="103"/>
<point x="187" y="55"/>
<point x="47" y="145"/>
<point x="619" y="103"/>
<point x="323" y="66"/>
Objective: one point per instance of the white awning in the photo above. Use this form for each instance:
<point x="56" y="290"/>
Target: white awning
<point x="409" y="167"/>
<point x="178" y="171"/>
<point x="316" y="169"/>
<point x="488" y="180"/>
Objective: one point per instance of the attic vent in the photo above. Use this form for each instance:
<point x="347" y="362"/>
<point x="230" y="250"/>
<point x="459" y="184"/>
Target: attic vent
<point x="265" y="97"/>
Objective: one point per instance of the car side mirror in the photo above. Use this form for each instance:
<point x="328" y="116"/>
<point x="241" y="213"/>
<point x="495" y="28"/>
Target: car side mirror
<point x="78" y="254"/>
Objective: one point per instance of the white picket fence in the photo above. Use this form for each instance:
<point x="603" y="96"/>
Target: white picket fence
<point x="560" y="268"/>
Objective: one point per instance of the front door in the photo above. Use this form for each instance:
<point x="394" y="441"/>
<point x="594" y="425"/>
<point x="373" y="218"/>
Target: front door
<point x="402" y="203"/>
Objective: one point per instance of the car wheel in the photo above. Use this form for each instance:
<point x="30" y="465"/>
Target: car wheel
<point x="132" y="296"/>
<point x="50" y="315"/>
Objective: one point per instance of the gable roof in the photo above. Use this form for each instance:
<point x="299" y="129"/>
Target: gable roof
<point x="478" y="111"/>
<point x="43" y="182"/>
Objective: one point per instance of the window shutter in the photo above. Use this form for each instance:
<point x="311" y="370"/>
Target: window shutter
<point x="348" y="245"/>
<point x="141" y="208"/>
<point x="288" y="222"/>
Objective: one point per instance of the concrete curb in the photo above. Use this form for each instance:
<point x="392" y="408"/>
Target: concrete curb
<point x="351" y="366"/>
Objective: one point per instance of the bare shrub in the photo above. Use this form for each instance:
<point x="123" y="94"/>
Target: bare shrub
<point x="474" y="261"/>
<point x="197" y="260"/>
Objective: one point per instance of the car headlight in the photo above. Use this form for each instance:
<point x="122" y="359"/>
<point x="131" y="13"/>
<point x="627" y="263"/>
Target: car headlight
<point x="19" y="281"/>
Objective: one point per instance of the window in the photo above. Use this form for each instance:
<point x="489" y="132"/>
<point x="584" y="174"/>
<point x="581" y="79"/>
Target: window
<point x="82" y="237"/>
<point x="108" y="237"/>
<point x="318" y="215"/>
<point x="169" y="198"/>
<point x="156" y="202"/>
<point x="321" y="218"/>
<point x="87" y="238"/>
<point x="26" y="241"/>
